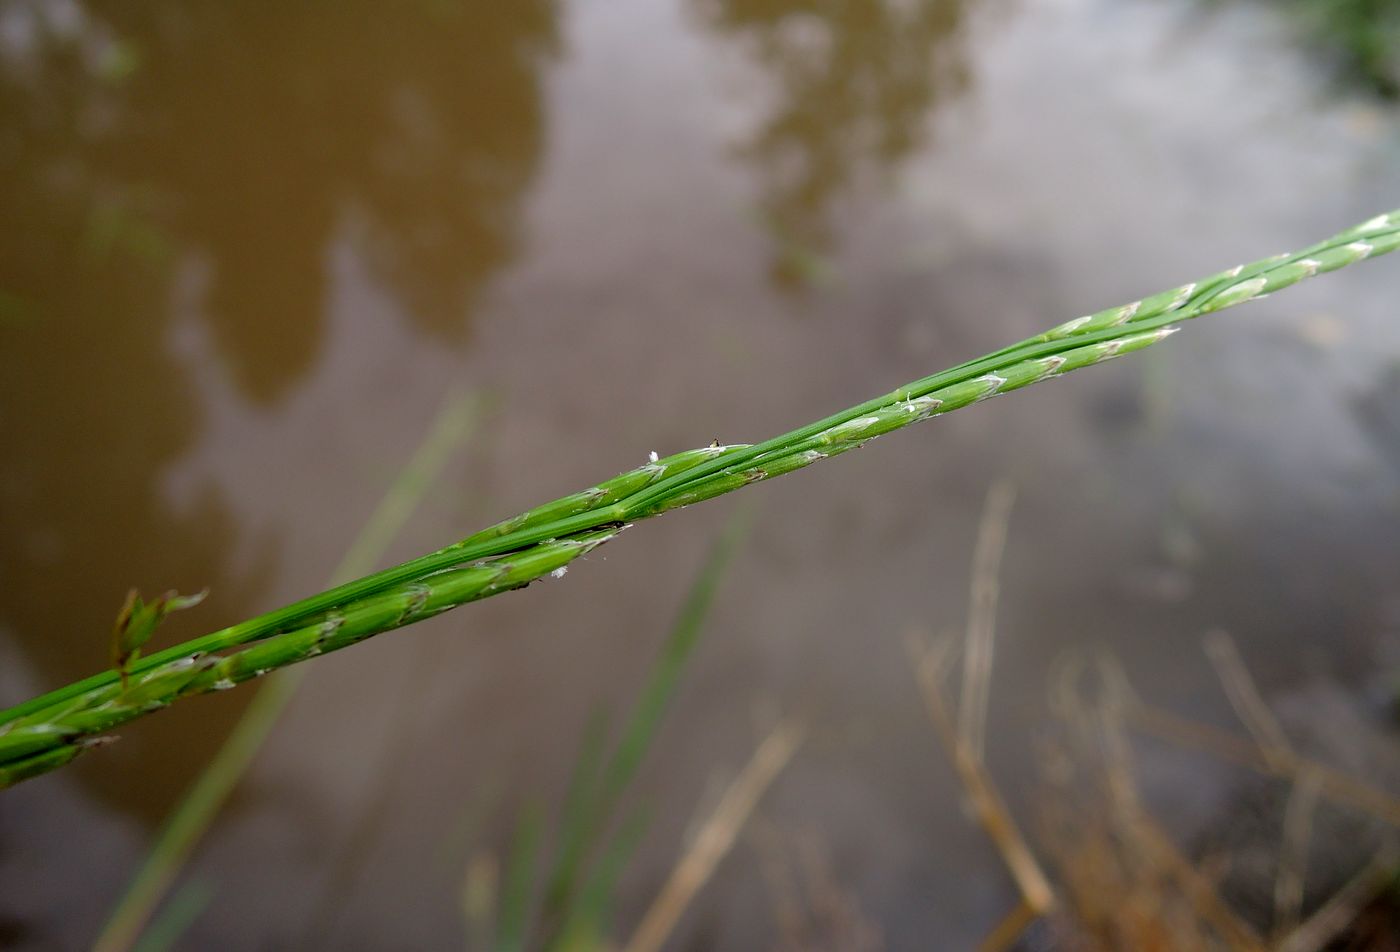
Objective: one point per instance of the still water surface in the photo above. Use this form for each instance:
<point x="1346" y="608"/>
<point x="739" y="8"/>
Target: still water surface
<point x="249" y="249"/>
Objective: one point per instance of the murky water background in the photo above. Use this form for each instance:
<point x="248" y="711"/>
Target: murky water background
<point x="248" y="249"/>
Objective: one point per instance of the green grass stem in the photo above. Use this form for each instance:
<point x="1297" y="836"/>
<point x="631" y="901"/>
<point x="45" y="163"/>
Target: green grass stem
<point x="196" y="810"/>
<point x="46" y="731"/>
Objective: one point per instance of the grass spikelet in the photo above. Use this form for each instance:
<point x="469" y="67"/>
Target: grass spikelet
<point x="538" y="542"/>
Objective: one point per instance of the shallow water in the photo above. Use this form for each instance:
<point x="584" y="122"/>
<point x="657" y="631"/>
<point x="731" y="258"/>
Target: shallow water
<point x="249" y="251"/>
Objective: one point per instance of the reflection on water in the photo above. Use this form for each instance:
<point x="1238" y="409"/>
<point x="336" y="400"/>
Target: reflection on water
<point x="255" y="136"/>
<point x="854" y="83"/>
<point x="200" y="161"/>
<point x="1358" y="39"/>
<point x="95" y="408"/>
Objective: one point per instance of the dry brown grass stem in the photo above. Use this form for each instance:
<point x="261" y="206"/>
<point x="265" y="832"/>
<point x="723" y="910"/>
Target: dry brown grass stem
<point x="814" y="912"/>
<point x="930" y="664"/>
<point x="1293" y="851"/>
<point x="1334" y="785"/>
<point x="964" y="740"/>
<point x="1009" y="929"/>
<point x="1248" y="703"/>
<point x="1338" y="913"/>
<point x="1126" y="885"/>
<point x="1200" y="890"/>
<point x="1144" y="846"/>
<point x="982" y="615"/>
<point x="1154" y="846"/>
<point x="716" y="836"/>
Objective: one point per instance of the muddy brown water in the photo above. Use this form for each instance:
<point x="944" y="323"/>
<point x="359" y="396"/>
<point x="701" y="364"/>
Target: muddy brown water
<point x="246" y="250"/>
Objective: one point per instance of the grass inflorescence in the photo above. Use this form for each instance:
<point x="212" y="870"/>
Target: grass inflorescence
<point x="49" y="731"/>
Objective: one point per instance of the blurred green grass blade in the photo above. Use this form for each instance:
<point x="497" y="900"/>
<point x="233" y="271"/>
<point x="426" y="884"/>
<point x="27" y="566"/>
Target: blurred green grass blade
<point x="574" y="818"/>
<point x="194" y="814"/>
<point x="665" y="675"/>
<point x="190" y="820"/>
<point x="176" y="918"/>
<point x="449" y="431"/>
<point x="585" y="924"/>
<point x="520" y="880"/>
<point x="586" y="827"/>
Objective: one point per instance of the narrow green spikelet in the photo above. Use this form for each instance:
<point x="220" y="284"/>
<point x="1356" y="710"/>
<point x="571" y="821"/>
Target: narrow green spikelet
<point x="24" y="768"/>
<point x="138" y="620"/>
<point x="110" y="706"/>
<point x="1236" y="294"/>
<point x="708" y="488"/>
<point x="543" y="540"/>
<point x="1379" y="244"/>
<point x="782" y="465"/>
<point x="609" y="491"/>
